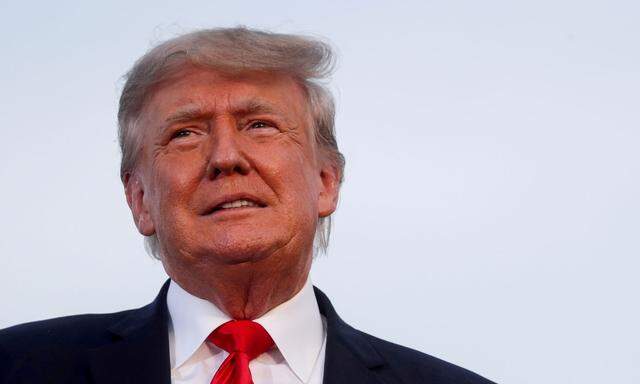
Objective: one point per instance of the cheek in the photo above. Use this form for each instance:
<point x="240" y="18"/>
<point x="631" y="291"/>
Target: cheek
<point x="176" y="179"/>
<point x="297" y="183"/>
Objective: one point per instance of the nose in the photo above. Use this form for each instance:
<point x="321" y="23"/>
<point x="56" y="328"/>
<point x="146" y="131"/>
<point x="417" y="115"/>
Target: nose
<point x="227" y="156"/>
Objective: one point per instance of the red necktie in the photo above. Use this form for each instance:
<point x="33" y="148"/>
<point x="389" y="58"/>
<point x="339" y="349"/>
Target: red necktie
<point x="244" y="340"/>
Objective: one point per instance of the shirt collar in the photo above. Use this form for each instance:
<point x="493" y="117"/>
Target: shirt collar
<point x="295" y="326"/>
<point x="192" y="320"/>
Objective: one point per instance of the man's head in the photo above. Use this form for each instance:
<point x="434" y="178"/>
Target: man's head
<point x="219" y="118"/>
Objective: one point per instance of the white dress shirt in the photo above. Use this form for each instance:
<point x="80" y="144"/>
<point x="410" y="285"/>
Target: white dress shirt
<point x="296" y="326"/>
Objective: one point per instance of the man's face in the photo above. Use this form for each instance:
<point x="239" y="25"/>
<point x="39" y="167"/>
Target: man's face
<point x="229" y="171"/>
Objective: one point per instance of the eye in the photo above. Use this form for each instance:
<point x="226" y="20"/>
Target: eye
<point x="261" y="125"/>
<point x="181" y="133"/>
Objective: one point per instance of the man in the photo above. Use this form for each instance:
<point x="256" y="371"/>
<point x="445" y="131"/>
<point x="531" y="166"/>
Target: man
<point x="231" y="170"/>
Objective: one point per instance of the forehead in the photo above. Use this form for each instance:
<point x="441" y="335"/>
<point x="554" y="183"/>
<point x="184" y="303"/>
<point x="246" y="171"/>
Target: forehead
<point x="219" y="93"/>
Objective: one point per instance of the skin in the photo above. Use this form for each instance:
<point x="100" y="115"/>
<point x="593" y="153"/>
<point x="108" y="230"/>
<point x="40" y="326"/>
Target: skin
<point x="209" y="138"/>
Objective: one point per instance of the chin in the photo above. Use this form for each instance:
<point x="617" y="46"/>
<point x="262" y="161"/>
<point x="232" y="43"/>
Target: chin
<point x="235" y="255"/>
<point x="231" y="249"/>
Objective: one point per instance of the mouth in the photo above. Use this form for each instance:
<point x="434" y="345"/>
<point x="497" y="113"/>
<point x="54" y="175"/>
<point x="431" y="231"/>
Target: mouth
<point x="235" y="204"/>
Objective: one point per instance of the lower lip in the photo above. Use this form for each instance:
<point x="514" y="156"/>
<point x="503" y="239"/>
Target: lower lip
<point x="233" y="212"/>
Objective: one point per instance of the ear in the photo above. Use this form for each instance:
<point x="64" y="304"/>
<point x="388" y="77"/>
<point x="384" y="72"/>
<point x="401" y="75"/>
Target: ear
<point x="134" y="190"/>
<point x="330" y="177"/>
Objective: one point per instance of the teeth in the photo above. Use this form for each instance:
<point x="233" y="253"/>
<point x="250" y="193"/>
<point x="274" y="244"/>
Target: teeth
<point x="238" y="204"/>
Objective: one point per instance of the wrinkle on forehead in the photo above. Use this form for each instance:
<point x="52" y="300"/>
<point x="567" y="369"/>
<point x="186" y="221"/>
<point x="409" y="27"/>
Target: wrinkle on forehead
<point x="258" y="92"/>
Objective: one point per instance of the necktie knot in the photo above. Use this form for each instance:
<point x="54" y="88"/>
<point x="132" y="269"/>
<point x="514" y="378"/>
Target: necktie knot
<point x="242" y="336"/>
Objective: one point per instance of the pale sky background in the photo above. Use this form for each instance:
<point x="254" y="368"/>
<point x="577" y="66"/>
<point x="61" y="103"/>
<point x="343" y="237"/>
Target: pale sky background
<point x="490" y="212"/>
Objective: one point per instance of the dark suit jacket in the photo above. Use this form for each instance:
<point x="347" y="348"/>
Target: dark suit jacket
<point x="132" y="347"/>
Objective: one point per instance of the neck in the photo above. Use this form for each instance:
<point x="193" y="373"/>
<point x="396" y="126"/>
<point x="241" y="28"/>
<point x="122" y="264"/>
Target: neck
<point x="246" y="290"/>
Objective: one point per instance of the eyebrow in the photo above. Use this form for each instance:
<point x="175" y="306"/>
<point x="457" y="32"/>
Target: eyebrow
<point x="255" y="106"/>
<point x="248" y="107"/>
<point x="188" y="113"/>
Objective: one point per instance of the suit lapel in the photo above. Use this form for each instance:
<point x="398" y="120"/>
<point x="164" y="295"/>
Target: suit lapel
<point x="349" y="357"/>
<point x="139" y="352"/>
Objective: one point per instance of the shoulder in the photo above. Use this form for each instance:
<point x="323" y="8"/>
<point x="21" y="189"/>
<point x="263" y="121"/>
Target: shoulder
<point x="393" y="362"/>
<point x="411" y="364"/>
<point x="63" y="349"/>
<point x="79" y="331"/>
<point x="59" y="339"/>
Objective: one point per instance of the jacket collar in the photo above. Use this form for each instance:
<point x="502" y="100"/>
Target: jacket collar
<point x="139" y="352"/>
<point x="350" y="357"/>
